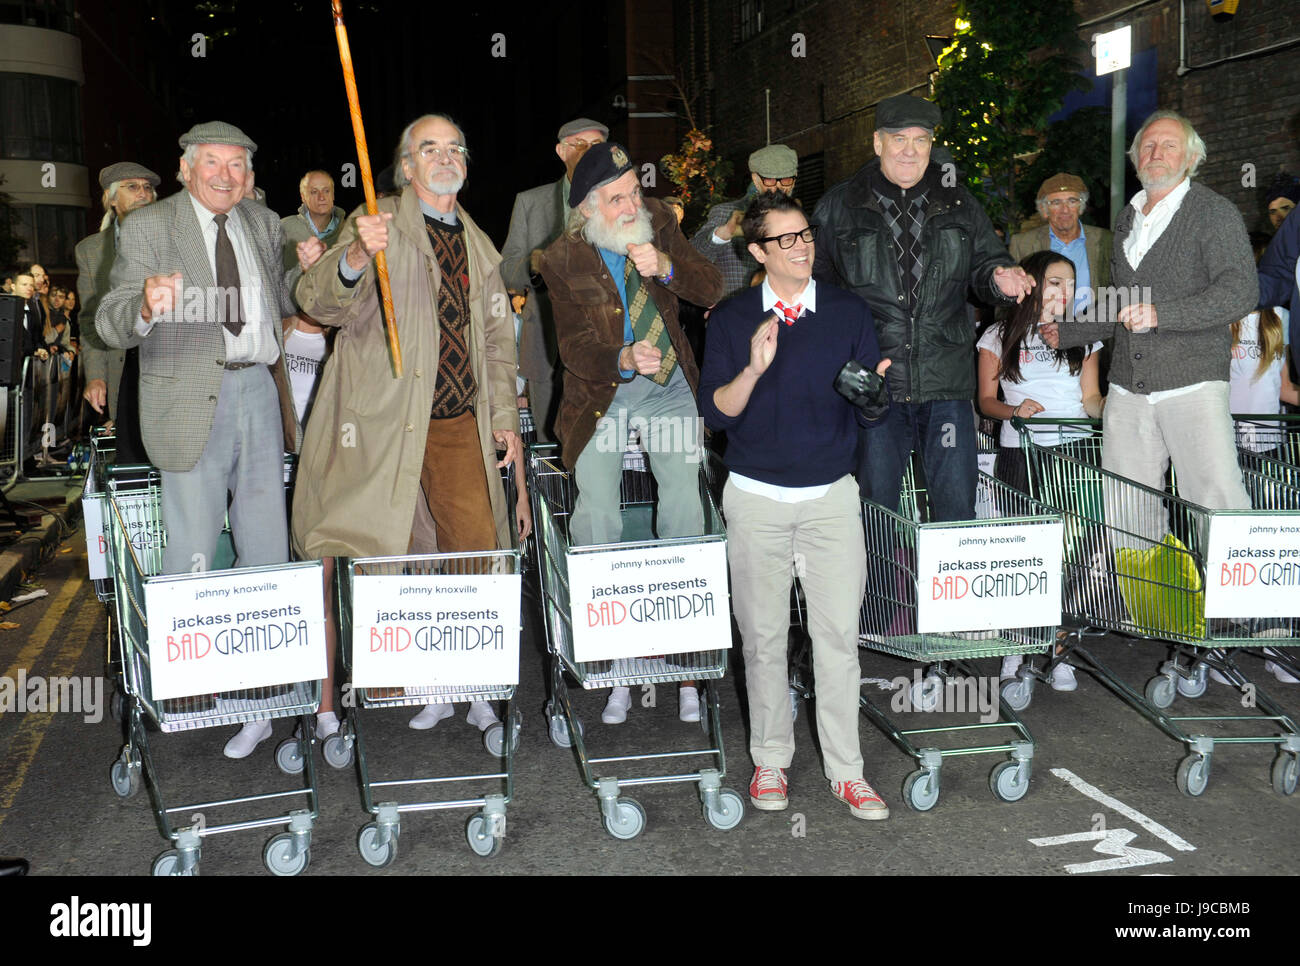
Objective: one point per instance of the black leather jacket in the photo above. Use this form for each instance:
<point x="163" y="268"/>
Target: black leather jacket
<point x="932" y="344"/>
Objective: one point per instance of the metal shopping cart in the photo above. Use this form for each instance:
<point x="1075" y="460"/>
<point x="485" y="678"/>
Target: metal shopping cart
<point x="590" y="644"/>
<point x="1147" y="564"/>
<point x="256" y="638"/>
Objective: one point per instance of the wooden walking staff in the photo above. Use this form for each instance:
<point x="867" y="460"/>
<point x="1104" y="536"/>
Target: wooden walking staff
<point x="367" y="182"/>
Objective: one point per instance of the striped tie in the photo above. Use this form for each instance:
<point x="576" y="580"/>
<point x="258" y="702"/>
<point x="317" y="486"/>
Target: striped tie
<point x="647" y="323"/>
<point x="791" y="312"/>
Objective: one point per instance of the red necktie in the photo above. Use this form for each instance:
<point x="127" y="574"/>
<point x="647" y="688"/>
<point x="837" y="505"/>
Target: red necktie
<point x="790" y="312"/>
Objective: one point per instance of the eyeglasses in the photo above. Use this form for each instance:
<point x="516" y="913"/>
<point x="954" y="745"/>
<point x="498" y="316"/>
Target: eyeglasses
<point x="1057" y="202"/>
<point x="140" y="186"/>
<point x="582" y="145"/>
<point x="773" y="182"/>
<point x="787" y="240"/>
<point x="454" y="152"/>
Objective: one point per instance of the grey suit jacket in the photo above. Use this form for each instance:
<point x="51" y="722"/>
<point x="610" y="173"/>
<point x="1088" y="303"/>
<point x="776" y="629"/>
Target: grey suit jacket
<point x="1096" y="241"/>
<point x="537" y="220"/>
<point x="182" y="359"/>
<point x="95" y="255"/>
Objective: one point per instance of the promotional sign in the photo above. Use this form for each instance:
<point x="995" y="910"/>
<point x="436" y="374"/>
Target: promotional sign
<point x="139" y="514"/>
<point x="647" y="601"/>
<point x="92" y="513"/>
<point x="1114" y="50"/>
<point x="235" y="629"/>
<point x="988" y="577"/>
<point x="435" y="630"/>
<point x="1252" y="568"/>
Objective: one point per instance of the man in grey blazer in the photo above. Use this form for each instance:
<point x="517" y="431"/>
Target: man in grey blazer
<point x="1062" y="200"/>
<point x="537" y="220"/>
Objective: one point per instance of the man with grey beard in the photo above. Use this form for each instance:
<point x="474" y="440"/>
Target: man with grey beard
<point x="615" y="278"/>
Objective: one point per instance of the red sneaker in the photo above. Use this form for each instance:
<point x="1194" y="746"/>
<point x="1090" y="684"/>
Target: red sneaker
<point x="861" y="798"/>
<point x="767" y="790"/>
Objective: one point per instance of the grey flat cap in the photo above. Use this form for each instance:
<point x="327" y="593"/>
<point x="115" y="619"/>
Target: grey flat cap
<point x="902" y="111"/>
<point x="774" y="161"/>
<point x="579" y="125"/>
<point x="124" y="170"/>
<point x="217" y="132"/>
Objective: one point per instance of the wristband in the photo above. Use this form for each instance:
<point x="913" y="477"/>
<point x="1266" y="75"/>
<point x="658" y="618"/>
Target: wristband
<point x="666" y="279"/>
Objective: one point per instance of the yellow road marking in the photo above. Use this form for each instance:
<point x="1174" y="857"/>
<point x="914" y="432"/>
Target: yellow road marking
<point x="45" y="626"/>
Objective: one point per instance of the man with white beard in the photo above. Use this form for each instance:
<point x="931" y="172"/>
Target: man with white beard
<point x="615" y="278"/>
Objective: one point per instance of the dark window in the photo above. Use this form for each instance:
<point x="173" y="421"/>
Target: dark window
<point x="49" y="234"/>
<point x="750" y="21"/>
<point x="50" y="14"/>
<point x="812" y="181"/>
<point x="40" y="118"/>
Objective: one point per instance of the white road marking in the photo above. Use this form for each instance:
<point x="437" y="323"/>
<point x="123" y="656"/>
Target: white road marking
<point x="1112" y="841"/>
<point x="1097" y="795"/>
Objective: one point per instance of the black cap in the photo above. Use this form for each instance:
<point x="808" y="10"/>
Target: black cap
<point x="601" y="164"/>
<point x="893" y="114"/>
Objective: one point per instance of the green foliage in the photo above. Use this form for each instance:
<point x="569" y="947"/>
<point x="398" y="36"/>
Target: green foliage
<point x="1008" y="69"/>
<point x="1079" y="144"/>
<point x="700" y="176"/>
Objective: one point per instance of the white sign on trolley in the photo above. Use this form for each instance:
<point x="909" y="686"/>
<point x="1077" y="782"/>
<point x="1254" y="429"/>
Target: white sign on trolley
<point x="230" y="630"/>
<point x="1252" y="568"/>
<point x="988" y="577"/>
<point x="435" y="630"/>
<point x="645" y="601"/>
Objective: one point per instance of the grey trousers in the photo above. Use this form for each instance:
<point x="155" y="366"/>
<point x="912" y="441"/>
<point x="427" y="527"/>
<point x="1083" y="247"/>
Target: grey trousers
<point x="669" y="424"/>
<point x="244" y="456"/>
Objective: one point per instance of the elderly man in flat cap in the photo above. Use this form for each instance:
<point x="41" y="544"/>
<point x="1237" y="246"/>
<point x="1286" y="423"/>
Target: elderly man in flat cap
<point x="772" y="169"/>
<point x="1062" y="199"/>
<point x="126" y="186"/>
<point x="537" y="220"/>
<point x="910" y="240"/>
<point x="615" y="277"/>
<point x="199" y="286"/>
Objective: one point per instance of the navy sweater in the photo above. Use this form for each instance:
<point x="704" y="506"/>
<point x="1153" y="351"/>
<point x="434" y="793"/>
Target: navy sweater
<point x="796" y="430"/>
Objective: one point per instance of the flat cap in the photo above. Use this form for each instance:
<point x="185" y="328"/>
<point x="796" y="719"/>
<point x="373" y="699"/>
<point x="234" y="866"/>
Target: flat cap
<point x="774" y="161"/>
<point x="123" y="170"/>
<point x="217" y="132"/>
<point x="1062" y="182"/>
<point x="902" y="111"/>
<point x="580" y="124"/>
<point x="601" y="164"/>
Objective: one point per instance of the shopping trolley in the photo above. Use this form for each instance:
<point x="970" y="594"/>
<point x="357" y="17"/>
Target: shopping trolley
<point x="1144" y="563"/>
<point x="916" y="609"/>
<point x="260" y="625"/>
<point x="566" y="578"/>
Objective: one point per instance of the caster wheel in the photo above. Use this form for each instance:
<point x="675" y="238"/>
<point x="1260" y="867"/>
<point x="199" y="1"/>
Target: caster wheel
<point x="704" y="716"/>
<point x="1193" y="775"/>
<point x="730" y="810"/>
<point x="1018" y="693"/>
<point x="1160" y="691"/>
<point x="629" y="822"/>
<point x="380" y="856"/>
<point x="1194" y="686"/>
<point x="169" y="863"/>
<point x="560" y="736"/>
<point x="1286" y="768"/>
<point x="494" y="740"/>
<point x="278" y="855"/>
<point x="482" y="842"/>
<point x="336" y="751"/>
<point x="117" y="706"/>
<point x="1009" y="782"/>
<point x="921" y="790"/>
<point x="794" y="705"/>
<point x="126" y="780"/>
<point x="288" y="756"/>
<point x="925" y="694"/>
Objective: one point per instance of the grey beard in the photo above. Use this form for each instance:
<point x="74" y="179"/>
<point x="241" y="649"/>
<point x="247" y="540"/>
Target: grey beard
<point x="1159" y="184"/>
<point x="616" y="238"/>
<point x="453" y="189"/>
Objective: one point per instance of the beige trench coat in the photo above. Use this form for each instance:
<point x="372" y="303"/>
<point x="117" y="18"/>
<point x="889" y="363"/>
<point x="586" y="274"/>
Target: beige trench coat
<point x="358" y="487"/>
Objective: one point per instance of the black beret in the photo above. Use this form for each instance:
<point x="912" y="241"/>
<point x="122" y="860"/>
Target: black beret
<point x="601" y="164"/>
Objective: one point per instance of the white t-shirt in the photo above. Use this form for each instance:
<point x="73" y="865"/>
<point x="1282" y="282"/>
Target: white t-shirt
<point x="1250" y="392"/>
<point x="1043" y="379"/>
<point x="304" y="357"/>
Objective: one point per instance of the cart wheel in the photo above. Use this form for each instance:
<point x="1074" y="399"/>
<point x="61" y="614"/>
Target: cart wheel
<point x="1018" y="692"/>
<point x="1007" y="781"/>
<point x="630" y="821"/>
<point x="704" y="716"/>
<point x="279" y="858"/>
<point x="1194" y="686"/>
<point x="126" y="780"/>
<point x="336" y="751"/>
<point x="560" y="736"/>
<point x="117" y="704"/>
<point x="494" y="740"/>
<point x="921" y="790"/>
<point x="1193" y="774"/>
<point x="380" y="856"/>
<point x="1286" y="768"/>
<point x="794" y="705"/>
<point x="1160" y="691"/>
<point x="288" y="756"/>
<point x="731" y="809"/>
<point x="169" y="863"/>
<point x="481" y="842"/>
<point x="926" y="693"/>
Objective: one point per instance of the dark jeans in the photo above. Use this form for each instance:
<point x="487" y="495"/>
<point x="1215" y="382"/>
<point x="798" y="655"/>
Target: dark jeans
<point x="943" y="432"/>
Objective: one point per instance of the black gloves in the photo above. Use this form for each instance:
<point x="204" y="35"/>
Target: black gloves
<point x="864" y="388"/>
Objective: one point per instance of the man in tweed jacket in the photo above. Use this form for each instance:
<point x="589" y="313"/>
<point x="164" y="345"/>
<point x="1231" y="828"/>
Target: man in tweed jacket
<point x="215" y="414"/>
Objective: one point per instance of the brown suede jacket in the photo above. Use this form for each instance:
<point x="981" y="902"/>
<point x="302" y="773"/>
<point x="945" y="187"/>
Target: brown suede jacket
<point x="589" y="321"/>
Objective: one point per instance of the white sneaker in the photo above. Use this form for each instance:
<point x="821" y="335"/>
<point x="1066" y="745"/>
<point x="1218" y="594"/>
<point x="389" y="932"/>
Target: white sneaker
<point x="1278" y="671"/>
<point x="688" y="705"/>
<point x="1010" y="665"/>
<point x="481" y="715"/>
<point x="430" y="716"/>
<point x="620" y="699"/>
<point x="247" y="738"/>
<point x="327" y="723"/>
<point x="1063" y="678"/>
